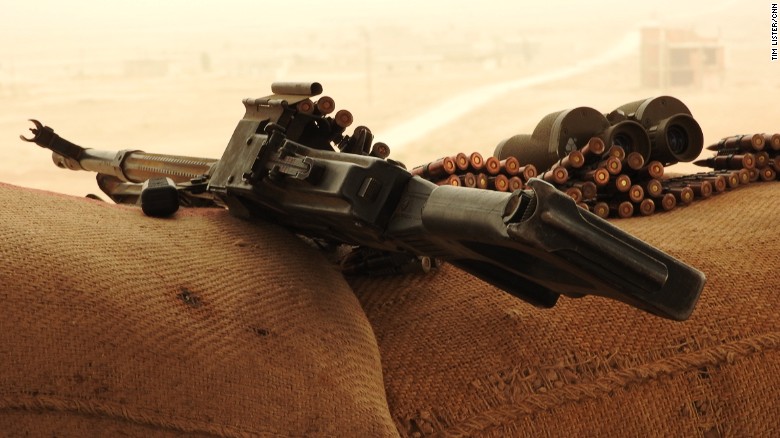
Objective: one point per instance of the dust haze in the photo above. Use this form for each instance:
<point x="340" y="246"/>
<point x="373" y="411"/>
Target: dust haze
<point x="428" y="78"/>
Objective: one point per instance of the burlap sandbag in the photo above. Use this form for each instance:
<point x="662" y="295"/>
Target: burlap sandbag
<point x="113" y="323"/>
<point x="463" y="358"/>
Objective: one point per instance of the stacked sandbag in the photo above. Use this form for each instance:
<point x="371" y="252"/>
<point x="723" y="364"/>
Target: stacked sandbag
<point x="462" y="358"/>
<point x="115" y="323"/>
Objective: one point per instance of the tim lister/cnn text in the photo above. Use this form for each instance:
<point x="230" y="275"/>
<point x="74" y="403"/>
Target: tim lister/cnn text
<point x="774" y="32"/>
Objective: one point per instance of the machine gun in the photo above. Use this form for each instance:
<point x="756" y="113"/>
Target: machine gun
<point x="290" y="162"/>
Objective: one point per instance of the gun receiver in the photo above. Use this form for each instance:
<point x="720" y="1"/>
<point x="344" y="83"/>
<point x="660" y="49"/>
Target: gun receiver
<point x="281" y="165"/>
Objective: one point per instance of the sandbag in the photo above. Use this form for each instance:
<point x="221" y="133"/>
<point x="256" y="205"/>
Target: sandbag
<point x="461" y="357"/>
<point x="115" y="323"/>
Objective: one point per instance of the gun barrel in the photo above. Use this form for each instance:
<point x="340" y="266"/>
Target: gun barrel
<point x="139" y="166"/>
<point x="127" y="165"/>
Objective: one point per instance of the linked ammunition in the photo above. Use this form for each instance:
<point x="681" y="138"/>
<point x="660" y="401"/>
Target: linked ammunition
<point x="492" y="165"/>
<point x="753" y="175"/>
<point x="617" y="152"/>
<point x="574" y="160"/>
<point x="529" y="171"/>
<point x="733" y="179"/>
<point x="612" y="164"/>
<point x="762" y="159"/>
<point x="557" y="175"/>
<point x="718" y="182"/>
<point x="583" y="206"/>
<point x="728" y="162"/>
<point x="653" y="188"/>
<point x="498" y="182"/>
<point x="745" y="143"/>
<point x="634" y="161"/>
<point x="380" y="150"/>
<point x="646" y="207"/>
<point x="601" y="209"/>
<point x="468" y="179"/>
<point x="772" y="141"/>
<point x="598" y="176"/>
<point x="701" y="188"/>
<point x="436" y="170"/>
<point x="595" y="147"/>
<point x="451" y="180"/>
<point x="744" y="176"/>
<point x="325" y="105"/>
<point x="482" y="181"/>
<point x="636" y="193"/>
<point x="612" y="172"/>
<point x="622" y="183"/>
<point x="683" y="194"/>
<point x="419" y="170"/>
<point x="510" y="166"/>
<point x="668" y="202"/>
<point x="653" y="169"/>
<point x="476" y="162"/>
<point x="767" y="174"/>
<point x="343" y="118"/>
<point x="732" y="151"/>
<point x="574" y="193"/>
<point x="588" y="188"/>
<point x="461" y="161"/>
<point x="515" y="183"/>
<point x="623" y="209"/>
<point x="305" y="106"/>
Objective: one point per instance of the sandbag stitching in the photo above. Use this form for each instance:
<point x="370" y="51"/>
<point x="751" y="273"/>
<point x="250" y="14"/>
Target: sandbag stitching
<point x="600" y="387"/>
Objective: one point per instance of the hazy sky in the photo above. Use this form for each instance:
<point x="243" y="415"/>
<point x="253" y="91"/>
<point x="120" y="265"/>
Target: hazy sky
<point x="46" y="29"/>
<point x="66" y="62"/>
<point x="53" y="17"/>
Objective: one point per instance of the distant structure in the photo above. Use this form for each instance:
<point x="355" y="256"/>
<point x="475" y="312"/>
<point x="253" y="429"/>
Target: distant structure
<point x="679" y="58"/>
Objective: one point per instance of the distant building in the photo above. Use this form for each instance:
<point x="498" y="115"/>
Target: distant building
<point x="679" y="58"/>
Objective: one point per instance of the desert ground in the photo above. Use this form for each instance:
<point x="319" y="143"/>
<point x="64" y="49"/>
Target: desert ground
<point x="428" y="82"/>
